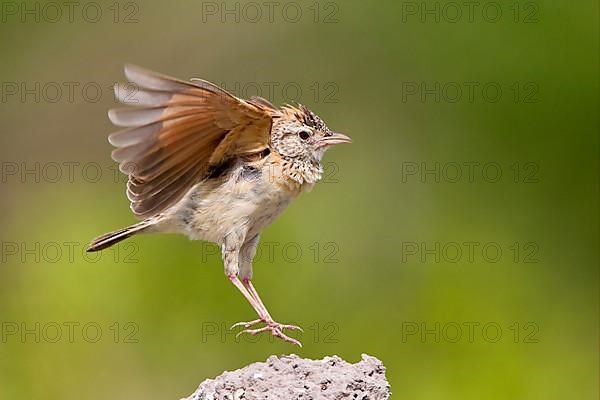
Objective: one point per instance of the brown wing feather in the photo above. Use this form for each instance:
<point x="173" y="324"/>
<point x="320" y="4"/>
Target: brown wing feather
<point x="182" y="130"/>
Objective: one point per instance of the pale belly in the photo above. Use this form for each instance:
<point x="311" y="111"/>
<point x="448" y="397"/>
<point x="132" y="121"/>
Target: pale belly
<point x="209" y="212"/>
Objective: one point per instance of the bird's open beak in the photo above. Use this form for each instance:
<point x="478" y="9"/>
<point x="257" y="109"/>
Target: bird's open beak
<point x="334" y="138"/>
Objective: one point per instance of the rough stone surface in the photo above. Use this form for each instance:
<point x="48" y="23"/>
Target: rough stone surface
<point x="294" y="378"/>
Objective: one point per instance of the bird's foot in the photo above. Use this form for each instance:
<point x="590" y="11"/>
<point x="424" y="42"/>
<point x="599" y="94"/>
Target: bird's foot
<point x="246" y="324"/>
<point x="275" y="328"/>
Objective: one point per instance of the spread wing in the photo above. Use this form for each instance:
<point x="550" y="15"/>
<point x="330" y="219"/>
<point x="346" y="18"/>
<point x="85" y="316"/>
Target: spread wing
<point x="180" y="132"/>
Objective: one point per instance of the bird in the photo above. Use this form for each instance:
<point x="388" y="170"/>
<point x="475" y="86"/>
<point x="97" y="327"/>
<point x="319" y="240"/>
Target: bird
<point x="214" y="167"/>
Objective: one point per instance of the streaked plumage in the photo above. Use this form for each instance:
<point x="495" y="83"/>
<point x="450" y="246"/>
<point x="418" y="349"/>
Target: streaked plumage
<point x="206" y="164"/>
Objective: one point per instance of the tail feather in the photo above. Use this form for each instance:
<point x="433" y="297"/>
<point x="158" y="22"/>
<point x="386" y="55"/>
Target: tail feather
<point x="111" y="238"/>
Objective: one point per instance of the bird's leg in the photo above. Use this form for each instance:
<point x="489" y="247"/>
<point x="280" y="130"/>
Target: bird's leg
<point x="232" y="246"/>
<point x="247" y="253"/>
<point x="240" y="263"/>
<point x="253" y="302"/>
<point x="248" y="284"/>
<point x="274" y="327"/>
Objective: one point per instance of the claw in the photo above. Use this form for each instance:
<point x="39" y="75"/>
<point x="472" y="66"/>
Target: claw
<point x="246" y="324"/>
<point x="286" y="338"/>
<point x="290" y="327"/>
<point x="253" y="332"/>
<point x="275" y="328"/>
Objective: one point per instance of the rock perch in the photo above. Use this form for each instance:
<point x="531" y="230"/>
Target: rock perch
<point x="294" y="378"/>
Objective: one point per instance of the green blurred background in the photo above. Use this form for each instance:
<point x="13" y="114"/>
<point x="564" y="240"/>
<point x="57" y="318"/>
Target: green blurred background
<point x="367" y="262"/>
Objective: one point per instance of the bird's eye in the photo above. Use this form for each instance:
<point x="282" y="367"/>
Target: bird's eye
<point x="304" y="135"/>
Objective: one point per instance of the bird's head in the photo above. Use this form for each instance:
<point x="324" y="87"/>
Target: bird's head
<point x="301" y="138"/>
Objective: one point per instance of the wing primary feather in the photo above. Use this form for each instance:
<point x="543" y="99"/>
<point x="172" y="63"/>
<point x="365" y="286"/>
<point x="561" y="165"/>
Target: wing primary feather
<point x="179" y="134"/>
